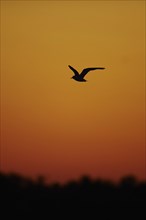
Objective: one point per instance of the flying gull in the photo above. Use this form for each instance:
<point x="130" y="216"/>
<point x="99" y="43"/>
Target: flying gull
<point x="80" y="77"/>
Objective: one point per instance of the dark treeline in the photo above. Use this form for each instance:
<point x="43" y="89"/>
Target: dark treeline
<point x="20" y="195"/>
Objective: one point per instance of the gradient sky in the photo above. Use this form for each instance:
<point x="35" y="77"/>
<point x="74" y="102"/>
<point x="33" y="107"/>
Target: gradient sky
<point x="57" y="127"/>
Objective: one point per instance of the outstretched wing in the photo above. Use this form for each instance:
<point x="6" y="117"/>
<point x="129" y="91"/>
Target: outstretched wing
<point x="85" y="71"/>
<point x="75" y="71"/>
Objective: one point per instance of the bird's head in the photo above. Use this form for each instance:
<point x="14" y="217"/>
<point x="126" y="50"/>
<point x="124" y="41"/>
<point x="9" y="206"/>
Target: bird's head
<point x="73" y="77"/>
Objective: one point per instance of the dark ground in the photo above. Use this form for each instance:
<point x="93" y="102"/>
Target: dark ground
<point x="23" y="198"/>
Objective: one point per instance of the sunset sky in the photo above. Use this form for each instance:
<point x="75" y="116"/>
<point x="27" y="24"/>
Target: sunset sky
<point x="57" y="127"/>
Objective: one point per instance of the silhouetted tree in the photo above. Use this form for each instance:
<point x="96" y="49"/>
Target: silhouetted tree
<point x="22" y="195"/>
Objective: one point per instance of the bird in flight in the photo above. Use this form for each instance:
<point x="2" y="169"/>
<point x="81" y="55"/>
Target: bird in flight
<point x="80" y="77"/>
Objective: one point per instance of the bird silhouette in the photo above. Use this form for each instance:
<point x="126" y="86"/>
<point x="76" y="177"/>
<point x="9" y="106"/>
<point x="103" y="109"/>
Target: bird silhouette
<point x="80" y="77"/>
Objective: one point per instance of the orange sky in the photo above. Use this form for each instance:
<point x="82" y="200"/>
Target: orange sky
<point x="55" y="126"/>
